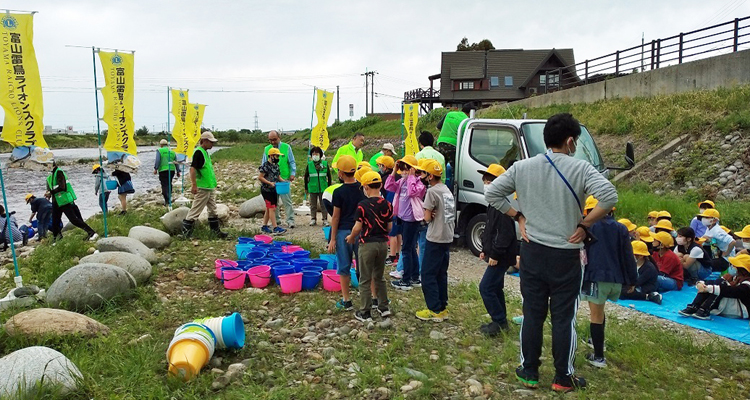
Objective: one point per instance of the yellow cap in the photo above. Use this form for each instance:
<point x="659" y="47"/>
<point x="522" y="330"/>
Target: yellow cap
<point x="361" y="172"/>
<point x="363" y="164"/>
<point x="709" y="203"/>
<point x="386" y="161"/>
<point x="664" y="214"/>
<point x="700" y="240"/>
<point x="274" y="152"/>
<point x="653" y="214"/>
<point x="664" y="238"/>
<point x="370" y="177"/>
<point x="494" y="170"/>
<point x="631" y="226"/>
<point x="741" y="261"/>
<point x="725" y="229"/>
<point x="591" y="202"/>
<point x="665" y="225"/>
<point x="346" y="163"/>
<point x="28" y="197"/>
<point x="420" y="164"/>
<point x="410" y="161"/>
<point x="710" y="213"/>
<point x="744" y="233"/>
<point x="432" y="167"/>
<point x="95" y="167"/>
<point x="639" y="248"/>
<point x="645" y="234"/>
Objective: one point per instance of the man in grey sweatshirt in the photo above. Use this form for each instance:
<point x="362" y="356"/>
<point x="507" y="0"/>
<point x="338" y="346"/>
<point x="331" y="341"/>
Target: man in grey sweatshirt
<point x="553" y="230"/>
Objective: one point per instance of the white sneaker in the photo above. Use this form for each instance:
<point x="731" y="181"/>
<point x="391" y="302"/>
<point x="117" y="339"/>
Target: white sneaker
<point x="325" y="223"/>
<point x="396" y="274"/>
<point x="93" y="237"/>
<point x="313" y="223"/>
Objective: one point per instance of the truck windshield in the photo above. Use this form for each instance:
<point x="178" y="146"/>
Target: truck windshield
<point x="586" y="148"/>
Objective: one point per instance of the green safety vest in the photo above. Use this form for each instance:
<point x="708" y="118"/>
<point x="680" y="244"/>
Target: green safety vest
<point x="374" y="160"/>
<point x="449" y="131"/>
<point x="165" y="157"/>
<point x="206" y="178"/>
<point x="284" y="170"/>
<point x="318" y="179"/>
<point x="61" y="198"/>
<point x="348" y="150"/>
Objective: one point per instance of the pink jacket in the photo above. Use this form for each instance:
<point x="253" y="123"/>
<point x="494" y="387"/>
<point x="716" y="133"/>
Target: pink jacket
<point x="415" y="189"/>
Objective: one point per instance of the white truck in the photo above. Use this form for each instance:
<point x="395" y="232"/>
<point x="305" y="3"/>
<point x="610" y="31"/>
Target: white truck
<point x="482" y="142"/>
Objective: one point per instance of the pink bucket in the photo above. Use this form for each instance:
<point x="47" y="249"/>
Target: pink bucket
<point x="291" y="283"/>
<point x="223" y="264"/>
<point x="292" y="249"/>
<point x="331" y="280"/>
<point x="234" y="279"/>
<point x="260" y="276"/>
<point x="263" y="238"/>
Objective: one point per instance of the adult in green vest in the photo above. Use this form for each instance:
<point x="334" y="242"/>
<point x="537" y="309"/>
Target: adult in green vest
<point x="446" y="143"/>
<point x="317" y="180"/>
<point x="353" y="148"/>
<point x="288" y="170"/>
<point x="203" y="180"/>
<point x="387" y="150"/>
<point x="426" y="140"/>
<point x="165" y="167"/>
<point x="63" y="202"/>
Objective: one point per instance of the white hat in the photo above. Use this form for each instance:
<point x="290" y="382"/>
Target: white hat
<point x="207" y="135"/>
<point x="163" y="142"/>
<point x="389" y="146"/>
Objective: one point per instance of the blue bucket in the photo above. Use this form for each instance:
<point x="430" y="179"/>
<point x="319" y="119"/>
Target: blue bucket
<point x="327" y="233"/>
<point x="320" y="263"/>
<point x="355" y="281"/>
<point x="311" y="268"/>
<point x="254" y="255"/>
<point x="242" y="249"/>
<point x="282" y="187"/>
<point x="299" y="265"/>
<point x="246" y="240"/>
<point x="233" y="331"/>
<point x="310" y="279"/>
<point x="278" y="271"/>
<point x="330" y="259"/>
<point x="281" y="243"/>
<point x="282" y="256"/>
<point x="300" y="255"/>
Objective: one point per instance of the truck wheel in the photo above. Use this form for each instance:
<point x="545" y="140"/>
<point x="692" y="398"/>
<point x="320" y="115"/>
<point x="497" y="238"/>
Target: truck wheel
<point x="474" y="231"/>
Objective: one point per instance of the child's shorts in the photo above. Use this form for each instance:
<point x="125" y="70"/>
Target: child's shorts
<point x="397" y="227"/>
<point x="271" y="199"/>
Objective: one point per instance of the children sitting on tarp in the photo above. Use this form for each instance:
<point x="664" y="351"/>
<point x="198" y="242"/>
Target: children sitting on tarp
<point x="744" y="234"/>
<point x="647" y="283"/>
<point x="695" y="260"/>
<point x="695" y="223"/>
<point x="728" y="296"/>
<point x="670" y="267"/>
<point x="722" y="244"/>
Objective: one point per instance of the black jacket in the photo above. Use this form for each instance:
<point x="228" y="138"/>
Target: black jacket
<point x="499" y="238"/>
<point x="611" y="259"/>
<point x="647" y="278"/>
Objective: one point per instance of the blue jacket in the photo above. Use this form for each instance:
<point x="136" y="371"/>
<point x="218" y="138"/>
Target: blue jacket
<point x="610" y="258"/>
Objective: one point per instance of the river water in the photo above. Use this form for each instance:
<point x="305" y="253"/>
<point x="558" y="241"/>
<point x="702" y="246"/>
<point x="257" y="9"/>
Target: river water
<point x="19" y="182"/>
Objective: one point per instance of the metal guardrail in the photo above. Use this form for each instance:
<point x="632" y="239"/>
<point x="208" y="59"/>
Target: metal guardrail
<point x="658" y="53"/>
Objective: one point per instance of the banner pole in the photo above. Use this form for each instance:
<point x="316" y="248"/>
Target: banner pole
<point x="402" y="129"/>
<point x="99" y="137"/>
<point x="169" y="173"/>
<point x="312" y="115"/>
<point x="8" y="229"/>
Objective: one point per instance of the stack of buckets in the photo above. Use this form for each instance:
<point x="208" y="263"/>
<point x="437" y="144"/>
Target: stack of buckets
<point x="194" y="343"/>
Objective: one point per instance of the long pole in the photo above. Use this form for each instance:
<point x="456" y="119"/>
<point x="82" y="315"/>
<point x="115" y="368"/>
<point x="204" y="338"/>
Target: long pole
<point x="312" y="115"/>
<point x="169" y="166"/>
<point x="19" y="280"/>
<point x="402" y="129"/>
<point x="367" y="76"/>
<point x="372" y="92"/>
<point x="337" y="103"/>
<point x="99" y="137"/>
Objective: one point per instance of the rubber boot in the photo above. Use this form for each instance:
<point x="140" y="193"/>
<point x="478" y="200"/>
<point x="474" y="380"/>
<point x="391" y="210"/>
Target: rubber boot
<point x="213" y="223"/>
<point x="187" y="228"/>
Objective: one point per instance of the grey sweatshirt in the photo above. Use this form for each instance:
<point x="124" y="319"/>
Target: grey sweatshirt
<point x="551" y="211"/>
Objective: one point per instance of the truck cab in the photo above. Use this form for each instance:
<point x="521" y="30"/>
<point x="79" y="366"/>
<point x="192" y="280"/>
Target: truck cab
<point x="482" y="142"/>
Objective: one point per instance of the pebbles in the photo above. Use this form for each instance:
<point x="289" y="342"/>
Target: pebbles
<point x="437" y="335"/>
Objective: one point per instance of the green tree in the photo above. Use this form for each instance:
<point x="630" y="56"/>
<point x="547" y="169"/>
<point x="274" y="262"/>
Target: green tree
<point x="483" y="45"/>
<point x="142" y="131"/>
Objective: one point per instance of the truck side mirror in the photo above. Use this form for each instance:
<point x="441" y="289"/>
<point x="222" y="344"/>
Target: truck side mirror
<point x="630" y="154"/>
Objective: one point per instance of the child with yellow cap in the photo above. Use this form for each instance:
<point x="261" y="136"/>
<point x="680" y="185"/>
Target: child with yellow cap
<point x="42" y="209"/>
<point x="695" y="223"/>
<point x="647" y="284"/>
<point x="670" y="267"/>
<point x="719" y="296"/>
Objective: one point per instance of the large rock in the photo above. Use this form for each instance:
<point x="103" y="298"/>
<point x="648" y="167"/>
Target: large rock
<point x="24" y="370"/>
<point x="89" y="285"/>
<point x="254" y="206"/>
<point x="49" y="321"/>
<point x="222" y="211"/>
<point x="138" y="266"/>
<point x="151" y="237"/>
<point x="126" y="244"/>
<point x="173" y="219"/>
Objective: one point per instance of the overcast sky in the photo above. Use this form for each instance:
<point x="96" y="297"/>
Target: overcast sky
<point x="275" y="52"/>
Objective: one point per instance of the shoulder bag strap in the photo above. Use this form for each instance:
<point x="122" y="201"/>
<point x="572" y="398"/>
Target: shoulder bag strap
<point x="566" y="182"/>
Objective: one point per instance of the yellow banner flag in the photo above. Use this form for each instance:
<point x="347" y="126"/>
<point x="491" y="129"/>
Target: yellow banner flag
<point x="180" y="112"/>
<point x="411" y="116"/>
<point x="21" y="91"/>
<point x="118" y="101"/>
<point x="194" y="122"/>
<point x="319" y="134"/>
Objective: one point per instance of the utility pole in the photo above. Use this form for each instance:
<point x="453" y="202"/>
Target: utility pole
<point x="371" y="104"/>
<point x="643" y="36"/>
<point x="337" y="103"/>
<point x="256" y="121"/>
<point x="366" y="75"/>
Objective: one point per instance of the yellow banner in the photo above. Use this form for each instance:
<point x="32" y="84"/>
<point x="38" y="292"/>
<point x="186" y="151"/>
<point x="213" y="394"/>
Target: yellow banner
<point x="118" y="101"/>
<point x="411" y="116"/>
<point x="194" y="123"/>
<point x="180" y="112"/>
<point x="21" y="90"/>
<point x="319" y="134"/>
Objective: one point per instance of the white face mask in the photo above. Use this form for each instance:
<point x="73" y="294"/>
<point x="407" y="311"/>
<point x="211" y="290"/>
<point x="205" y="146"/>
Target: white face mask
<point x="702" y="210"/>
<point x="316" y="158"/>
<point x="681" y="241"/>
<point x="486" y="186"/>
<point x="572" y="152"/>
<point x="707" y="221"/>
<point x="746" y="244"/>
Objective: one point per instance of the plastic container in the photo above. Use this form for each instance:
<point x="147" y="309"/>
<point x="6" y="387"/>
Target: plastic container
<point x="282" y="256"/>
<point x="355" y="280"/>
<point x="233" y="278"/>
<point x="279" y="271"/>
<point x="320" y="263"/>
<point x="291" y="249"/>
<point x="220" y="263"/>
<point x="310" y="279"/>
<point x="299" y="264"/>
<point x="110" y="184"/>
<point x="331" y="281"/>
<point x="263" y="238"/>
<point x="281" y="243"/>
<point x="255" y="255"/>
<point x="191" y="348"/>
<point x="311" y="268"/>
<point x="229" y="331"/>
<point x="291" y="283"/>
<point x="282" y="187"/>
<point x="327" y="233"/>
<point x="242" y="249"/>
<point x="246" y="240"/>
<point x="330" y="259"/>
<point x="260" y="276"/>
<point x="301" y="255"/>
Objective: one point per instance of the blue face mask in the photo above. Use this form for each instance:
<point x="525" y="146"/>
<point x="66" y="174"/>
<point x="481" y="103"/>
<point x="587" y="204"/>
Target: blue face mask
<point x="732" y="270"/>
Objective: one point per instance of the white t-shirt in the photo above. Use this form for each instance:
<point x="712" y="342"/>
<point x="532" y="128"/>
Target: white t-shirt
<point x="696" y="252"/>
<point x="720" y="239"/>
